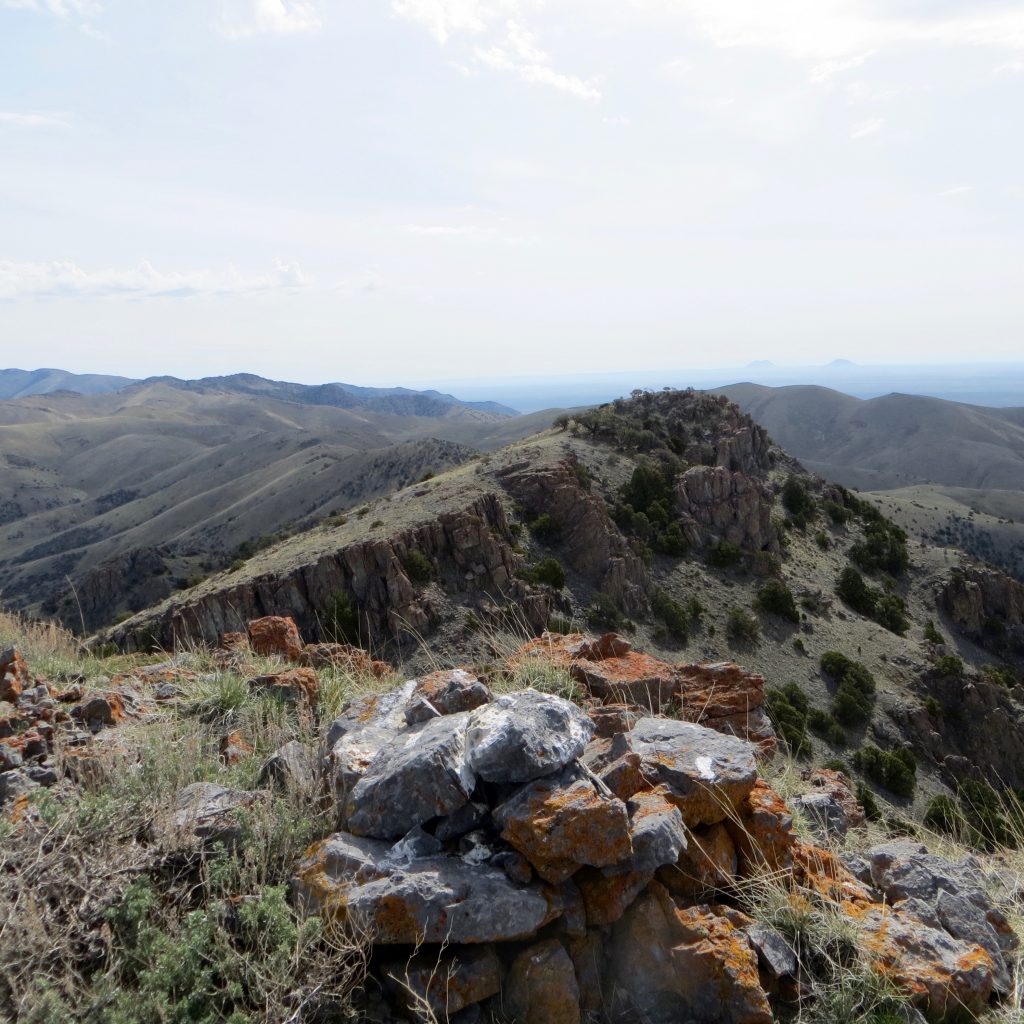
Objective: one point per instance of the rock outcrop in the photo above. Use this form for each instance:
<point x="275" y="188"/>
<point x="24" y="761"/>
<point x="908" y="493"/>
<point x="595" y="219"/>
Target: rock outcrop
<point x="986" y="604"/>
<point x="568" y="871"/>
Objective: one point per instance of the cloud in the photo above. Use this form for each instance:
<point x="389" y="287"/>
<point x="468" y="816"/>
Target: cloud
<point x="65" y="279"/>
<point x="242" y="18"/>
<point x="956" y="190"/>
<point x="872" y="126"/>
<point x="830" y="68"/>
<point x="510" y="47"/>
<point x="1011" y="67"/>
<point x="63" y="9"/>
<point x="35" y="120"/>
<point x="444" y="18"/>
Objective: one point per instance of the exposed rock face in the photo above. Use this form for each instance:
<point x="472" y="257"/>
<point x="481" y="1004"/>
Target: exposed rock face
<point x="470" y="549"/>
<point x="448" y="983"/>
<point x="730" y="501"/>
<point x="136" y="579"/>
<point x="14" y="675"/>
<point x="986" y="603"/>
<point x="541" y="987"/>
<point x="589" y="541"/>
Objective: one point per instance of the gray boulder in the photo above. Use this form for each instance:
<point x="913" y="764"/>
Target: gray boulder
<point x="523" y="736"/>
<point x="211" y="814"/>
<point x="657" y="832"/>
<point x="825" y="814"/>
<point x="705" y="773"/>
<point x="292" y="765"/>
<point x="422" y="775"/>
<point x="430" y="899"/>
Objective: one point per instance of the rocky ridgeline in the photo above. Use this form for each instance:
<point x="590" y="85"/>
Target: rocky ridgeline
<point x="987" y="604"/>
<point x="523" y="857"/>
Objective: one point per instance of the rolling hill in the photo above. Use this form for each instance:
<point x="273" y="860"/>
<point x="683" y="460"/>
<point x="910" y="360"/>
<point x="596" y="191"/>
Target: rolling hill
<point x="946" y="471"/>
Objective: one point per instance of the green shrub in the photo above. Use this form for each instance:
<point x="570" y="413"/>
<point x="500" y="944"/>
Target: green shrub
<point x="547" y="571"/>
<point x="884" y="547"/>
<point x="777" y="599"/>
<point x="340" y="620"/>
<point x="836" y="764"/>
<point x="545" y="529"/>
<point x="949" y="665"/>
<point x="724" y="555"/>
<point x="894" y="770"/>
<point x="1001" y="674"/>
<point x="943" y="815"/>
<point x="854" y="696"/>
<point x="417" y="566"/>
<point x="797" y="501"/>
<point x="837" y="513"/>
<point x="788" y="709"/>
<point x="891" y="613"/>
<point x="741" y="626"/>
<point x="672" y="615"/>
<point x="867" y="800"/>
<point x="824" y="724"/>
<point x="888" y="610"/>
<point x="604" y="613"/>
<point x="823" y="540"/>
<point x="583" y="475"/>
<point x="932" y="635"/>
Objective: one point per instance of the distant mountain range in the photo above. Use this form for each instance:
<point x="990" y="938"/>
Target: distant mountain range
<point x="397" y="401"/>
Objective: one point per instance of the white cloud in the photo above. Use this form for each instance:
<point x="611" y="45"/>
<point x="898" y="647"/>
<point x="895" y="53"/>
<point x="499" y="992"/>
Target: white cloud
<point x="65" y="279"/>
<point x="448" y="230"/>
<point x="956" y="190"/>
<point x="1011" y="67"/>
<point x="872" y="126"/>
<point x="63" y="9"/>
<point x="34" y="120"/>
<point x="830" y="68"/>
<point x="444" y="18"/>
<point x="241" y="18"/>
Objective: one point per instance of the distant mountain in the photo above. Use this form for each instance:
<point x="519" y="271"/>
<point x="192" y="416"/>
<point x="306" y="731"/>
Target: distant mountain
<point x="397" y="401"/>
<point x="947" y="471"/>
<point x="840" y="363"/>
<point x="114" y="499"/>
<point x="22" y="383"/>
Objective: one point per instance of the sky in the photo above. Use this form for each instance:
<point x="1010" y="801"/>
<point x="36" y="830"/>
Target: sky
<point x="392" y="191"/>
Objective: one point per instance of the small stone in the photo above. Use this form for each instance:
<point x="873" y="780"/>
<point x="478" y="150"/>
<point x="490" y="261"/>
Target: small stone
<point x="526" y="735"/>
<point x="290" y="765"/>
<point x="825" y="815"/>
<point x="446" y="693"/>
<point x="235" y="748"/>
<point x="209" y="812"/>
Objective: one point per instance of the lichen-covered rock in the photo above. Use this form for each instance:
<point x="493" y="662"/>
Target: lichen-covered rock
<point x="763" y="832"/>
<point x="561" y="822"/>
<point x="443" y="983"/>
<point x="707" y="863"/>
<point x="14" y="675"/>
<point x="541" y="986"/>
<point x="656" y="830"/>
<point x="670" y="964"/>
<point x="608" y="892"/>
<point x="523" y="736"/>
<point x="705" y="773"/>
<point x="276" y="635"/>
<point x="297" y="687"/>
<point x="445" y="693"/>
<point x="434" y="899"/>
<point x="234" y="747"/>
<point x="423" y="775"/>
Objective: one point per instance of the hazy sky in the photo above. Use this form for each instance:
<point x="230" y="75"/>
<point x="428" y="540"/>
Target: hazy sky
<point x="382" y="191"/>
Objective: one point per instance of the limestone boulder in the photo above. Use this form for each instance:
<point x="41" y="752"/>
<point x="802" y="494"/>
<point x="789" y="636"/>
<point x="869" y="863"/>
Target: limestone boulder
<point x="290" y="766"/>
<point x="422" y="775"/>
<point x="523" y="736"/>
<point x="562" y="822"/>
<point x="541" y="986"/>
<point x="445" y="693"/>
<point x="212" y="814"/>
<point x="438" y="899"/>
<point x="705" y="773"/>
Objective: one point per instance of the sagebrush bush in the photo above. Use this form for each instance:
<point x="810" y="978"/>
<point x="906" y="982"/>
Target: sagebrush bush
<point x="894" y="770"/>
<point x="776" y="598"/>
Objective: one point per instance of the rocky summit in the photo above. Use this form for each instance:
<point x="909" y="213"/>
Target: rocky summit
<point x="633" y="722"/>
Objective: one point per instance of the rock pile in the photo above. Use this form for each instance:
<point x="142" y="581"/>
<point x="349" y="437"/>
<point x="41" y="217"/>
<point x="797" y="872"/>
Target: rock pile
<point x="516" y="856"/>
